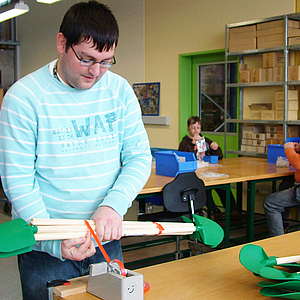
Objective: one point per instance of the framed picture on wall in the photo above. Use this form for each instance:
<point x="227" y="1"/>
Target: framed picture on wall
<point x="148" y="96"/>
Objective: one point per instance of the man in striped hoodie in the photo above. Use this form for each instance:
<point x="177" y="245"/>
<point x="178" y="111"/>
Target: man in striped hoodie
<point x="73" y="146"/>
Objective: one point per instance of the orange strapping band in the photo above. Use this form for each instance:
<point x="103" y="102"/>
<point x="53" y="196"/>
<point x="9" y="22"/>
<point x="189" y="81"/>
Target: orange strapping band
<point x="160" y="228"/>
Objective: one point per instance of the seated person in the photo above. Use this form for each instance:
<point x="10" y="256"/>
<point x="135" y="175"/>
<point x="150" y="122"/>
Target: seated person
<point x="188" y="144"/>
<point x="276" y="205"/>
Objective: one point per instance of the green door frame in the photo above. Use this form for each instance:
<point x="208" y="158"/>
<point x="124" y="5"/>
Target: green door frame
<point x="188" y="91"/>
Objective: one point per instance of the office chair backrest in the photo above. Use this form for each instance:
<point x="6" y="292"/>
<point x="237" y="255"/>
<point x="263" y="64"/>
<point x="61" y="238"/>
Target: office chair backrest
<point x="177" y="193"/>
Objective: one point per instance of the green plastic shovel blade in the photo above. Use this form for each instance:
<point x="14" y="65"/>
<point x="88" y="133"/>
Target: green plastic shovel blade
<point x="275" y="274"/>
<point x="207" y="231"/>
<point x="253" y="257"/>
<point x="285" y="285"/>
<point x="279" y="293"/>
<point x="16" y="237"/>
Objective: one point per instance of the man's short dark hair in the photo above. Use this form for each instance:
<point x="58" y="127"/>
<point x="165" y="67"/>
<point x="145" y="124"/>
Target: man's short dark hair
<point x="90" y="21"/>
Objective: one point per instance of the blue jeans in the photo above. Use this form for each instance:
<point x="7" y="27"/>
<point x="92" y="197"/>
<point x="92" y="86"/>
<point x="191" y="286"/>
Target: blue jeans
<point x="276" y="204"/>
<point x="37" y="268"/>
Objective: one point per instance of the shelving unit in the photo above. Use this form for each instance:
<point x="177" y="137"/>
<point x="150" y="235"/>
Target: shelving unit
<point x="259" y="87"/>
<point x="9" y="58"/>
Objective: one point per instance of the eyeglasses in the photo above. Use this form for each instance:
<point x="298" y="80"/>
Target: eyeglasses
<point x="90" y="62"/>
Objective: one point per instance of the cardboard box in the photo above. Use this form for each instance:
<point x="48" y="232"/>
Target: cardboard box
<point x="242" y="29"/>
<point x="294" y="24"/>
<point x="270" y="128"/>
<point x="258" y="136"/>
<point x="292" y="115"/>
<point x="244" y="76"/>
<point x="279" y="105"/>
<point x="242" y="35"/>
<point x="242" y="45"/>
<point x="254" y="128"/>
<point x="294" y="40"/>
<point x="292" y="32"/>
<point x="259" y="143"/>
<point x="246" y="135"/>
<point x="270" y="24"/>
<point x="278" y="73"/>
<point x="291" y="95"/>
<point x="260" y="106"/>
<point x="270" y="41"/>
<point x="251" y="148"/>
<point x="242" y="67"/>
<point x="260" y="149"/>
<point x="293" y="73"/>
<point x="290" y="129"/>
<point x="255" y="75"/>
<point x="273" y="59"/>
<point x="267" y="115"/>
<point x="293" y="105"/>
<point x="255" y="114"/>
<point x="272" y="135"/>
<point x="270" y="31"/>
<point x="266" y="75"/>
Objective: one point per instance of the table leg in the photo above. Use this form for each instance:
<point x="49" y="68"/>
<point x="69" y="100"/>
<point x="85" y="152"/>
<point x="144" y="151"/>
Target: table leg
<point x="227" y="215"/>
<point x="250" y="211"/>
<point x="239" y="196"/>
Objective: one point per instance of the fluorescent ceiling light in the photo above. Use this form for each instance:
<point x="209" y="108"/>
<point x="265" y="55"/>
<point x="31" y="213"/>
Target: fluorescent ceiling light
<point x="47" y="1"/>
<point x="17" y="10"/>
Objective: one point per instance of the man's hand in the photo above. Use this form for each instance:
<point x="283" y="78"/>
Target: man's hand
<point x="79" y="248"/>
<point x="108" y="224"/>
<point x="214" y="146"/>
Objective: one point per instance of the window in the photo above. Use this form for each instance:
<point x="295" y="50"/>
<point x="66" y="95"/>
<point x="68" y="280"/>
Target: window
<point x="211" y="96"/>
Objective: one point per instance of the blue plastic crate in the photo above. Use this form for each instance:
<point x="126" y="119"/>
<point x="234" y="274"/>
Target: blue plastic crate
<point x="168" y="163"/>
<point x="213" y="159"/>
<point x="273" y="152"/>
<point x="293" y="139"/>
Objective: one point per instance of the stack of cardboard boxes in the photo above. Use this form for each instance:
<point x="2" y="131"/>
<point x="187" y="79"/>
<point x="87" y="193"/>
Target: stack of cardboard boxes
<point x="272" y="69"/>
<point x="255" y="138"/>
<point x="263" y="35"/>
<point x="292" y="105"/>
<point x="269" y="111"/>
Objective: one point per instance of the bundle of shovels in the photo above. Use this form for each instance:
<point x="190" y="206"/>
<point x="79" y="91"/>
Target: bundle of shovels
<point x="17" y="236"/>
<point x="283" y="272"/>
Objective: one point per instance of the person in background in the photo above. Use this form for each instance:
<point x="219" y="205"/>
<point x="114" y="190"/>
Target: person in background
<point x="276" y="205"/>
<point x="188" y="144"/>
<point x="73" y="146"/>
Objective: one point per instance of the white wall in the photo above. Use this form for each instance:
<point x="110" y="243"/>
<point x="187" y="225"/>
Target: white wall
<point x="38" y="28"/>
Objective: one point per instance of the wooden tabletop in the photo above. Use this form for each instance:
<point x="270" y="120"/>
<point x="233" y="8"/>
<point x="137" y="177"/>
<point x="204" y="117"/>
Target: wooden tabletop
<point x="238" y="169"/>
<point x="214" y="275"/>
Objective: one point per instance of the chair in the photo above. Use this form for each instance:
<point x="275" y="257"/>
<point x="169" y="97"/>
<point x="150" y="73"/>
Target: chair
<point x="184" y="196"/>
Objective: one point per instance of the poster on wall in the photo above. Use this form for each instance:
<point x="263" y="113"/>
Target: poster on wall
<point x="148" y="96"/>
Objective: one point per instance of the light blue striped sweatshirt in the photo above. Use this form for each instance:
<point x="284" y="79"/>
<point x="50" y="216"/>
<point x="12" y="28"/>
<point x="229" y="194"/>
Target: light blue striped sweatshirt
<point x="65" y="152"/>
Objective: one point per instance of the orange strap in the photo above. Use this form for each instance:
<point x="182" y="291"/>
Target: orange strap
<point x="160" y="228"/>
<point x="108" y="260"/>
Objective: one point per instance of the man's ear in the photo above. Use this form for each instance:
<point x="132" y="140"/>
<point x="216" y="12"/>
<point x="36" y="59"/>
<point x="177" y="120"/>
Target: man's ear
<point x="61" y="43"/>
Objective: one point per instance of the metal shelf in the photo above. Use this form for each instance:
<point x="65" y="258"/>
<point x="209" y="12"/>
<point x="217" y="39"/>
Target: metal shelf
<point x="285" y="84"/>
<point x="249" y="121"/>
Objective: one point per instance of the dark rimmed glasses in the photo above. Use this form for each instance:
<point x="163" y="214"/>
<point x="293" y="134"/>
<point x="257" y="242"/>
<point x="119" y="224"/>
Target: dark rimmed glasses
<point x="89" y="62"/>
